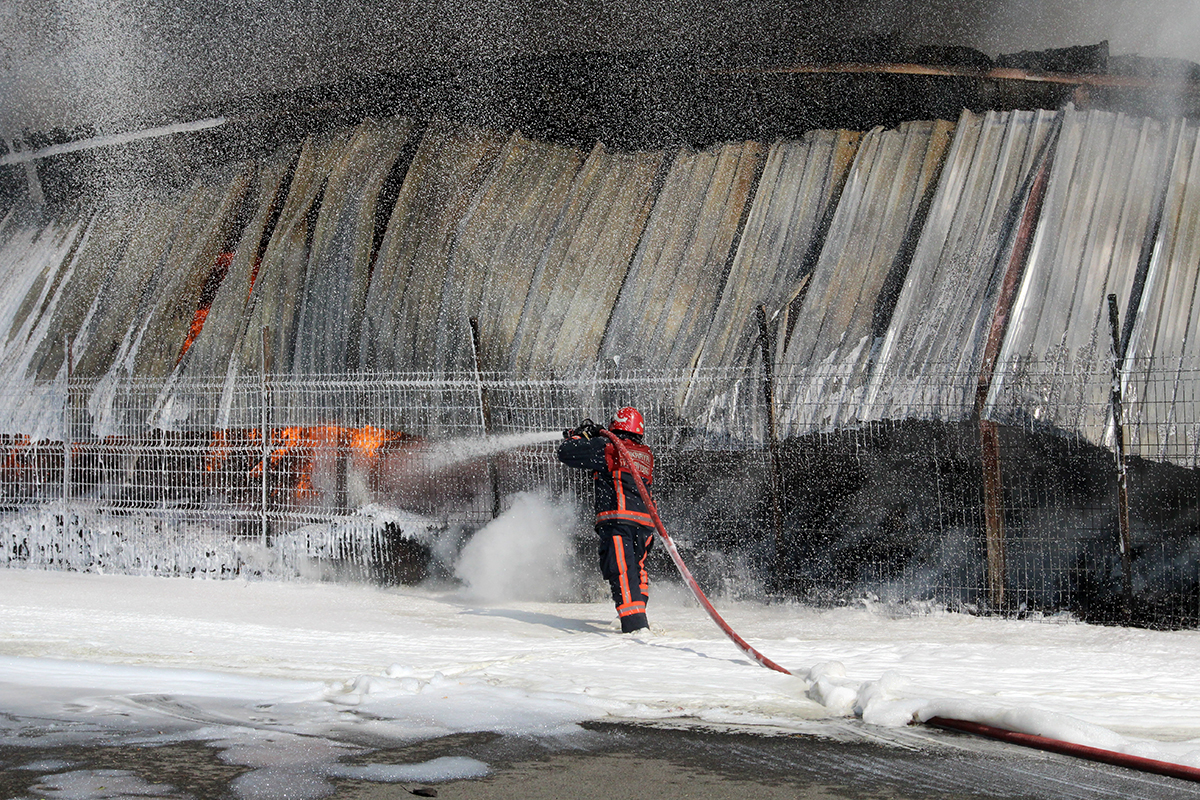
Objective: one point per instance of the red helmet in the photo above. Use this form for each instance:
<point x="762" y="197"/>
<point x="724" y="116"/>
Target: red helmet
<point x="628" y="419"/>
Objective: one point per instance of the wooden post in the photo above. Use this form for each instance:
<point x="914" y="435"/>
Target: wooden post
<point x="1126" y="541"/>
<point x="993" y="514"/>
<point x="764" y="340"/>
<point x="485" y="415"/>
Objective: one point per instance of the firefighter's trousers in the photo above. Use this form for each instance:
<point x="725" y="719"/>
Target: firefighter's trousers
<point x="622" y="549"/>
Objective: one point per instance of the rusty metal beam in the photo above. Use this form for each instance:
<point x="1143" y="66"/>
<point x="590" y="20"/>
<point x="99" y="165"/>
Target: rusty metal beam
<point x="989" y="432"/>
<point x="995" y="73"/>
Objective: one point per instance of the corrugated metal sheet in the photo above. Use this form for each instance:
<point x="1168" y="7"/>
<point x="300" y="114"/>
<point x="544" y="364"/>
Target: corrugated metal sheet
<point x="339" y="262"/>
<point x="929" y="361"/>
<point x="800" y="184"/>
<point x="1163" y="353"/>
<point x="822" y="372"/>
<point x="584" y="266"/>
<point x="211" y="353"/>
<point x="81" y="287"/>
<point x="666" y="304"/>
<point x="1107" y="172"/>
<point x="35" y="260"/>
<point x="170" y="299"/>
<point x="164" y="302"/>
<point x="450" y="166"/>
<point x="275" y="298"/>
<point x="497" y="249"/>
<point x="121" y="300"/>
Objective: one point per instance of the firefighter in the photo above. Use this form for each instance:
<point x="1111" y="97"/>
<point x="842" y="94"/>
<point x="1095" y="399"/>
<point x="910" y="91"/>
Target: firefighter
<point x="623" y="522"/>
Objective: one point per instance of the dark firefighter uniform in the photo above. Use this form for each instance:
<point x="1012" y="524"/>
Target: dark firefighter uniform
<point x="623" y="523"/>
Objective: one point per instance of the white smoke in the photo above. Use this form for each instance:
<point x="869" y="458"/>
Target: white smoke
<point x="524" y="554"/>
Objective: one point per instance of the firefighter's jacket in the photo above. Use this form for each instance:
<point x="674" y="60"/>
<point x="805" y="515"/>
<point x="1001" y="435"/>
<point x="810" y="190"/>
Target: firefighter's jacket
<point x="617" y="498"/>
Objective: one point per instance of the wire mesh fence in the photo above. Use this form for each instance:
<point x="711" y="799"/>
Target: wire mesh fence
<point x="272" y="475"/>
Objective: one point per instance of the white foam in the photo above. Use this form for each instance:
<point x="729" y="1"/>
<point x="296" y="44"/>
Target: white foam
<point x="278" y="676"/>
<point x="270" y="784"/>
<point x="95" y="784"/>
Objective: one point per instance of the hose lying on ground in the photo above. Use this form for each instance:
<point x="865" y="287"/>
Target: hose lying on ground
<point x="1013" y="737"/>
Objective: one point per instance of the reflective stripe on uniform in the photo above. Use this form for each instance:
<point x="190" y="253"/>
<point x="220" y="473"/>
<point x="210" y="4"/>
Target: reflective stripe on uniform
<point x="644" y="583"/>
<point x="626" y="515"/>
<point x="622" y="569"/>
<point x="629" y="609"/>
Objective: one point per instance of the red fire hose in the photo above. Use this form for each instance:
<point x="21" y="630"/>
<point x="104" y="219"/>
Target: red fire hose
<point x="1070" y="748"/>
<point x="1013" y="737"/>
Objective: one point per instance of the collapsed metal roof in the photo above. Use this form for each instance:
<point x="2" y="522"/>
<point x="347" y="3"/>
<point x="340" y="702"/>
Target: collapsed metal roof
<point x="881" y="260"/>
<point x="826" y="361"/>
<point x="1096" y="226"/>
<point x="945" y="309"/>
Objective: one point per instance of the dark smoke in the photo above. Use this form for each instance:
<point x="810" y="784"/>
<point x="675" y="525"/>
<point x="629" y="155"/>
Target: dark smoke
<point x="108" y="65"/>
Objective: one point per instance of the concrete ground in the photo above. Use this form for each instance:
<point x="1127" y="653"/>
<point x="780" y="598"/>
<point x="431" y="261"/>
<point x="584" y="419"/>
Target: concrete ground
<point x="618" y="761"/>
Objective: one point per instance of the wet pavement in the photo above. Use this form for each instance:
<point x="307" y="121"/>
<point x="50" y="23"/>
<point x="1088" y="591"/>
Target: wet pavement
<point x="609" y="761"/>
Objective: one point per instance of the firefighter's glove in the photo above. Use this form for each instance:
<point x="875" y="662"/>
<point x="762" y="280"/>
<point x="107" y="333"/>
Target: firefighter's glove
<point x="584" y="430"/>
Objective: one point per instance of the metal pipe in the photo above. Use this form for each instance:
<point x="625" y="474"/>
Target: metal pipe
<point x="111" y="140"/>
<point x="941" y="71"/>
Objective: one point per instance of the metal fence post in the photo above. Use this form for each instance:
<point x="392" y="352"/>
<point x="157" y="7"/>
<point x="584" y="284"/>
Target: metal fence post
<point x="66" y="422"/>
<point x="993" y="514"/>
<point x="1126" y="541"/>
<point x="264" y="429"/>
<point x="485" y="414"/>
<point x="764" y="340"/>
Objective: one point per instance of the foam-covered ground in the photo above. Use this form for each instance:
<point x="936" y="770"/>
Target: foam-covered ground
<point x="282" y="675"/>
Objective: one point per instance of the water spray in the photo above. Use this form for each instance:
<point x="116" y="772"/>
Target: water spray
<point x="445" y="454"/>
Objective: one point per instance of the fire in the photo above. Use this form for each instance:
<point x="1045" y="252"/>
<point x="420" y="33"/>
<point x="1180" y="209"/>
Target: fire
<point x="298" y="453"/>
<point x="253" y="275"/>
<point x="218" y="452"/>
<point x="366" y="441"/>
<point x="305" y="464"/>
<point x="208" y="293"/>
<point x="193" y="332"/>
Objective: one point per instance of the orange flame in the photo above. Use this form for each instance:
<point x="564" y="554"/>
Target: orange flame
<point x="13" y="460"/>
<point x="296" y="452"/>
<point x="208" y="293"/>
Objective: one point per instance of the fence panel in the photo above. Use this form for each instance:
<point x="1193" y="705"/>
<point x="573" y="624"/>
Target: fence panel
<point x="271" y="475"/>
